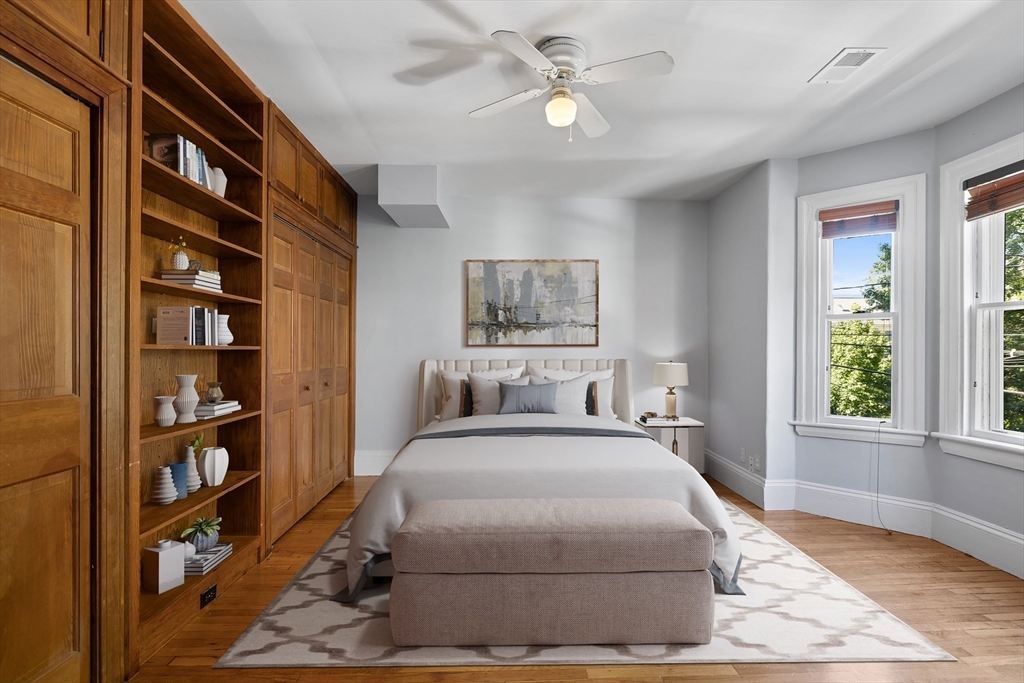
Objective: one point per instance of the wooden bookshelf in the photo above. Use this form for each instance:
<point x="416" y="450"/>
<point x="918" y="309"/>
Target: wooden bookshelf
<point x="184" y="84"/>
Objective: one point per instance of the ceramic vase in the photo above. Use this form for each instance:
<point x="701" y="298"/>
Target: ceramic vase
<point x="204" y="543"/>
<point x="213" y="465"/>
<point x="219" y="180"/>
<point x="187" y="399"/>
<point x="224" y="336"/>
<point x="164" y="492"/>
<point x="179" y="261"/>
<point x="165" y="415"/>
<point x="179" y="474"/>
<point x="190" y="551"/>
<point x="214" y="393"/>
<point x="192" y="480"/>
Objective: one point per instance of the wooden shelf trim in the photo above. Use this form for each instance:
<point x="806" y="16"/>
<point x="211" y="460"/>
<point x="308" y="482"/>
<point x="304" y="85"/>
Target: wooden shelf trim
<point x="163" y="181"/>
<point x="153" y="517"/>
<point x="224" y="122"/>
<point x="196" y="347"/>
<point x="162" y="227"/>
<point x="151" y="432"/>
<point x="152" y="284"/>
<point x="160" y="116"/>
<point x="152" y="606"/>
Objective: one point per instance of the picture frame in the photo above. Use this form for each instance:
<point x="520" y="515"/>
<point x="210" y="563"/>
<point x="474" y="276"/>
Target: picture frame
<point x="532" y="302"/>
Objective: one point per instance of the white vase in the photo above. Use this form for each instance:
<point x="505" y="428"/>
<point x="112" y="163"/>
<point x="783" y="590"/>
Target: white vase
<point x="192" y="480"/>
<point x="187" y="399"/>
<point x="220" y="181"/>
<point x="190" y="551"/>
<point x="208" y="177"/>
<point x="224" y="336"/>
<point x="179" y="261"/>
<point x="165" y="415"/>
<point x="164" y="492"/>
<point x="213" y="465"/>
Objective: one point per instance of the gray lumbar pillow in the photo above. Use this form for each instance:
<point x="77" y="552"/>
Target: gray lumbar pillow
<point x="535" y="398"/>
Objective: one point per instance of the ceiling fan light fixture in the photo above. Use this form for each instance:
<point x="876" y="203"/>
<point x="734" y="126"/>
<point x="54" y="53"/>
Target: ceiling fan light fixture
<point x="561" y="110"/>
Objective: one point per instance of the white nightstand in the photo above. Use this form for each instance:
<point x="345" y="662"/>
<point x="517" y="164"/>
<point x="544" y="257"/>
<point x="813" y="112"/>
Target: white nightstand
<point x="684" y="437"/>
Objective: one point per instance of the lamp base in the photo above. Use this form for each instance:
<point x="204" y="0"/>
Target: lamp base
<point x="670" y="404"/>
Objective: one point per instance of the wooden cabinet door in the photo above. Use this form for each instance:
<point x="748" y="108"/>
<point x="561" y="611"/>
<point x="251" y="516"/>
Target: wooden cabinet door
<point x="342" y="453"/>
<point x="285" y="160"/>
<point x="44" y="378"/>
<point x="282" y="352"/>
<point x="309" y="181"/>
<point x="77" y="21"/>
<point x="324" y="473"/>
<point x="329" y="199"/>
<point x="306" y="385"/>
<point x="347" y="214"/>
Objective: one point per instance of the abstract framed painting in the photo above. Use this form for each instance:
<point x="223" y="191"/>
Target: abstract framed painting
<point x="532" y="303"/>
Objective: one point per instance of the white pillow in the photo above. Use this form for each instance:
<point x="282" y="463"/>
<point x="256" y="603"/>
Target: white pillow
<point x="453" y="390"/>
<point x="561" y="375"/>
<point x="571" y="397"/>
<point x="603" y="397"/>
<point x="603" y="392"/>
<point x="487" y="393"/>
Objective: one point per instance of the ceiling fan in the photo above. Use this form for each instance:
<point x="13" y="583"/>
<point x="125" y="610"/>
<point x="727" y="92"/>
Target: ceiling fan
<point x="563" y="61"/>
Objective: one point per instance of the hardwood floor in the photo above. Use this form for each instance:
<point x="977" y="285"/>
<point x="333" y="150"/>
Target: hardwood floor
<point x="973" y="611"/>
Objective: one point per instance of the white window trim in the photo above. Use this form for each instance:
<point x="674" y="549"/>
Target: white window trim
<point x="955" y="296"/>
<point x="908" y="313"/>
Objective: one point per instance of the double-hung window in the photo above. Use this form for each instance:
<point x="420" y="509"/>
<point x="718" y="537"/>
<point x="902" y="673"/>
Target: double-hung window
<point x="860" y="361"/>
<point x="982" y="308"/>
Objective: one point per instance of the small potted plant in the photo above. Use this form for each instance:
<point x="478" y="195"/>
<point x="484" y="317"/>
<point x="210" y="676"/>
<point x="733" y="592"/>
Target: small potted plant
<point x="180" y="259"/>
<point x="204" y="533"/>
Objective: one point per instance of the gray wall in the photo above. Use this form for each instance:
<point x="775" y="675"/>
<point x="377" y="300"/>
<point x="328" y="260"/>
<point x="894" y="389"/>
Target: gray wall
<point x="991" y="493"/>
<point x="411" y="284"/>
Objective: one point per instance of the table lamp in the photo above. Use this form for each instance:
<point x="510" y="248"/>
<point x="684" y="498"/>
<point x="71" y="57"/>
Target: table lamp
<point x="671" y="375"/>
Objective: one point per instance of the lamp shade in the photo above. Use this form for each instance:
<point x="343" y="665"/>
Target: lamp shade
<point x="671" y="375"/>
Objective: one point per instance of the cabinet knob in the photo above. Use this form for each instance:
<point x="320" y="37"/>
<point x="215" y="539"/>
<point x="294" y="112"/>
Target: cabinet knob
<point x="326" y="383"/>
<point x="306" y="388"/>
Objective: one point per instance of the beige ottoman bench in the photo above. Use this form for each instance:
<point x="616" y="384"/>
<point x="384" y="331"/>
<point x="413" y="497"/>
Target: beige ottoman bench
<point x="561" y="571"/>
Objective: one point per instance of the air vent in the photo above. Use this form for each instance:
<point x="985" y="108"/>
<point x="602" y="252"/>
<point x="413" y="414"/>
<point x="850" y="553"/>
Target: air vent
<point x="845" y="64"/>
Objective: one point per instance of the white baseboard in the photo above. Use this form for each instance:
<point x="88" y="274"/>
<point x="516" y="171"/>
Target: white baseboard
<point x="990" y="543"/>
<point x="372" y="463"/>
<point x="999" y="547"/>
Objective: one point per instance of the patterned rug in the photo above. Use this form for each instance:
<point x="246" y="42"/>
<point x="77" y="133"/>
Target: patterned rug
<point x="795" y="610"/>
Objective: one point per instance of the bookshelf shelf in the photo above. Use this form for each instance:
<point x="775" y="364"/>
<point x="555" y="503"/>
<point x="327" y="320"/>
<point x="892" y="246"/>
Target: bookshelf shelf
<point x="160" y="116"/>
<point x="165" y="228"/>
<point x="153" y="517"/>
<point x="158" y="66"/>
<point x="163" y="181"/>
<point x="151" y="432"/>
<point x="197" y="347"/>
<point x="152" y="284"/>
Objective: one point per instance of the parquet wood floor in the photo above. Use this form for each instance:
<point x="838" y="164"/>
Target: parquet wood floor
<point x="972" y="610"/>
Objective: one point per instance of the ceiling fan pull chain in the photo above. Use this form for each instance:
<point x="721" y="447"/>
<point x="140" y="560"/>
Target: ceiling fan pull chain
<point x="570" y="132"/>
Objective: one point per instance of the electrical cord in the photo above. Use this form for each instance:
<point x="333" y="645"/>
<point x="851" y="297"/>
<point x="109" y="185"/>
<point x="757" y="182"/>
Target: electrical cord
<point x="878" y="466"/>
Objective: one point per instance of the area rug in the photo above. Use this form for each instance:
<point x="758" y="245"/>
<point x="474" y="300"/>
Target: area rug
<point x="795" y="610"/>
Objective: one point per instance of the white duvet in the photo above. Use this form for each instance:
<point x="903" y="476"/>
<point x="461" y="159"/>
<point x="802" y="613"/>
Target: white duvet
<point x="533" y="466"/>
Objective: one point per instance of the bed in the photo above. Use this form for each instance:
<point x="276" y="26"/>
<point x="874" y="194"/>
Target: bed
<point x="531" y="456"/>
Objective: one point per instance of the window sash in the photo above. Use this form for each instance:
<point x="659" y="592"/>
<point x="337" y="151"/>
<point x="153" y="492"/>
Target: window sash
<point x="986" y="348"/>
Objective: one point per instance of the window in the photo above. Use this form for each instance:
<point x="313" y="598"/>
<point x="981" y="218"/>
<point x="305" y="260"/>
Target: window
<point x="981" y="322"/>
<point x="860" y="284"/>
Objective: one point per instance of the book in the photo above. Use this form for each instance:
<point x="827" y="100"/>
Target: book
<point x="165" y="150"/>
<point x="172" y="325"/>
<point x="202" y="563"/>
<point x="214" y="329"/>
<point x="199" y="325"/>
<point x="205" y="274"/>
<point x="215" y="409"/>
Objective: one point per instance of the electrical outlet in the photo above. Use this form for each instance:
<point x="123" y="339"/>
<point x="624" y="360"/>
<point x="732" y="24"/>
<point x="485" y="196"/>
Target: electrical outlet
<point x="208" y="596"/>
<point x="743" y="456"/>
<point x="750" y="464"/>
<point x="757" y="463"/>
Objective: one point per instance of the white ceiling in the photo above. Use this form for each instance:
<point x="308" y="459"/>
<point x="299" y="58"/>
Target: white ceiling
<point x="391" y="82"/>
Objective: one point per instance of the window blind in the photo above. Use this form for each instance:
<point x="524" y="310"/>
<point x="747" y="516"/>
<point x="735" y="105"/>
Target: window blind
<point x="861" y="219"/>
<point x="995" y="196"/>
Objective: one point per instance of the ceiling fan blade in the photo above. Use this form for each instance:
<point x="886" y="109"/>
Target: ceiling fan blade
<point x="524" y="49"/>
<point x="588" y="117"/>
<point x="507" y="103"/>
<point x="641" y="66"/>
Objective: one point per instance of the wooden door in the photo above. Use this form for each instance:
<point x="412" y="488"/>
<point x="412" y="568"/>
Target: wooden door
<point x="306" y="390"/>
<point x="341" y="453"/>
<point x="283" y="354"/>
<point x="325" y="372"/>
<point x="285" y="151"/>
<point x="347" y="214"/>
<point x="329" y="200"/>
<point x="44" y="380"/>
<point x="77" y="21"/>
<point x="309" y="181"/>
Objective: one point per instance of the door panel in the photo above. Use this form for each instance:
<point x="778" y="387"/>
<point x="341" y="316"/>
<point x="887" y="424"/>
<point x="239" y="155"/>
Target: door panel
<point x="342" y="361"/>
<point x="44" y="376"/>
<point x="328" y="200"/>
<point x="305" y="428"/>
<point x="309" y="182"/>
<point x="77" y="21"/>
<point x="281" y="353"/>
<point x="286" y="160"/>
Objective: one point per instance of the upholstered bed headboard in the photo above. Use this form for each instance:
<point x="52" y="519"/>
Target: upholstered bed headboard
<point x="430" y="385"/>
